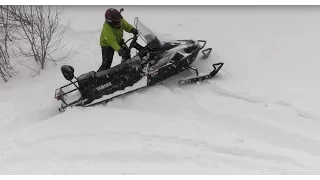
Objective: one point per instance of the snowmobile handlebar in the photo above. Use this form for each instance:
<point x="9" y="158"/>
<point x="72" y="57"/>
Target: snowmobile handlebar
<point x="134" y="43"/>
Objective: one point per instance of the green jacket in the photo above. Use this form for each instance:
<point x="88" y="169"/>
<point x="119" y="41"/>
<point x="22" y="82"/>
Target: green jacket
<point x="112" y="37"/>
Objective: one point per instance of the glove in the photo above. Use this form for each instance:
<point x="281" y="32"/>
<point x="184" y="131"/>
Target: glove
<point x="124" y="52"/>
<point x="134" y="31"/>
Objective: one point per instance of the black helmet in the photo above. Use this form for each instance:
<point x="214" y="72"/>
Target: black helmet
<point x="113" y="17"/>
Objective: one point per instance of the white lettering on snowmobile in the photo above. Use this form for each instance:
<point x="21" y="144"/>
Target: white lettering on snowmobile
<point x="103" y="86"/>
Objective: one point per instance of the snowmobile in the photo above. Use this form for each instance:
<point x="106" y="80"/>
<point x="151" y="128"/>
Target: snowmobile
<point x="152" y="64"/>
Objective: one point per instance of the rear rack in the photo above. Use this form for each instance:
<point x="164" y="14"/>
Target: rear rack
<point x="60" y="94"/>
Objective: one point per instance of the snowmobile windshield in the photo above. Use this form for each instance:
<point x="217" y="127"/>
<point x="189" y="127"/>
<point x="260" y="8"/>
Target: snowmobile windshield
<point x="146" y="34"/>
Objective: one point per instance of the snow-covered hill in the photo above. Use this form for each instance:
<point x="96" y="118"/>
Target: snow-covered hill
<point x="259" y="116"/>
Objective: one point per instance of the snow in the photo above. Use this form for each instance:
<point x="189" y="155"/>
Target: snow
<point x="259" y="116"/>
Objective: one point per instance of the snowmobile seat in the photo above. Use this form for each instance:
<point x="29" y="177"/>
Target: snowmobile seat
<point x="86" y="76"/>
<point x="122" y="68"/>
<point x="113" y="70"/>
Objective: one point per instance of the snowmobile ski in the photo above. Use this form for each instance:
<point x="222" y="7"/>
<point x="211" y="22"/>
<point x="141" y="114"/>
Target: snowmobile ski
<point x="198" y="78"/>
<point x="206" y="53"/>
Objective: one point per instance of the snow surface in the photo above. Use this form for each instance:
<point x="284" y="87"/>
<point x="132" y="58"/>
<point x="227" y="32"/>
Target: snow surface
<point x="258" y="116"/>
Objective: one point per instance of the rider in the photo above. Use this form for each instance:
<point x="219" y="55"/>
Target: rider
<point x="111" y="38"/>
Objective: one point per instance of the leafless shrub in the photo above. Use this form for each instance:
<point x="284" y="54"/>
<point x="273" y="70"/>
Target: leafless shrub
<point x="6" y="32"/>
<point x="37" y="33"/>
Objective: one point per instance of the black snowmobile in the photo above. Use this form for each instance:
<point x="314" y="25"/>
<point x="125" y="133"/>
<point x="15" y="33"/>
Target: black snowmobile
<point x="153" y="63"/>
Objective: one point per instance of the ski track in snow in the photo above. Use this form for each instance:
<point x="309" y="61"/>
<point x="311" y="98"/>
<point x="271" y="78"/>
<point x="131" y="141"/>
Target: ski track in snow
<point x="246" y="120"/>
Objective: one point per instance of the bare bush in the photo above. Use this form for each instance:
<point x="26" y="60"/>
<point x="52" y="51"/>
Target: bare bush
<point x="37" y="33"/>
<point x="6" y="31"/>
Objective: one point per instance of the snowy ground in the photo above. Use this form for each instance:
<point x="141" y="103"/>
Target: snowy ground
<point x="259" y="116"/>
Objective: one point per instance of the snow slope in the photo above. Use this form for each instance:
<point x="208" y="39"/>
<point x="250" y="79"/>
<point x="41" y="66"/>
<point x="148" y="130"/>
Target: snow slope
<point x="259" y="116"/>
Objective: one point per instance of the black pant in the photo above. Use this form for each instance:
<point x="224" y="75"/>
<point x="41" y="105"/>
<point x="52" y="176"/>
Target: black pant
<point x="107" y="57"/>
